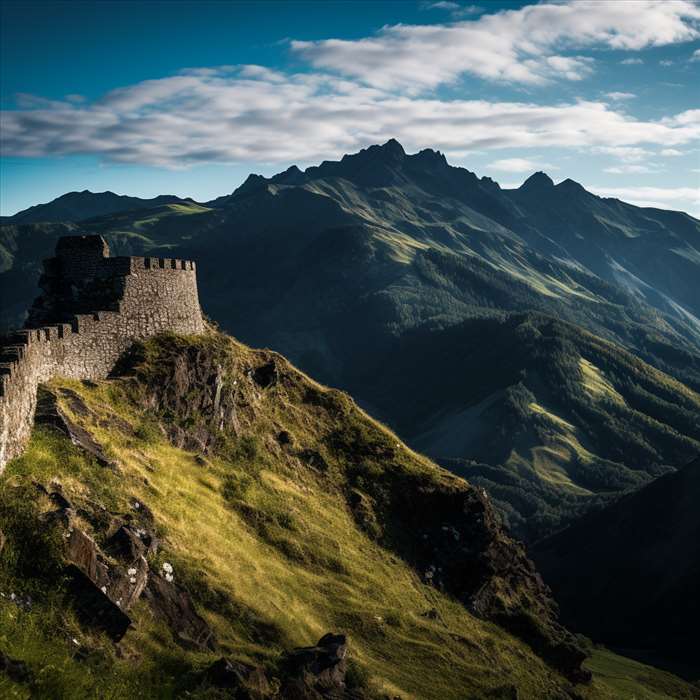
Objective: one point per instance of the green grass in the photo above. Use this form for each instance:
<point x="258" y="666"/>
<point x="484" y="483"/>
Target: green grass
<point x="626" y="679"/>
<point x="260" y="536"/>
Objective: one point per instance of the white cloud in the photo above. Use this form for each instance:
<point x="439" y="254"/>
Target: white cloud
<point x="519" y="165"/>
<point x="630" y="169"/>
<point x="251" y="115"/>
<point x="454" y="8"/>
<point x="696" y="55"/>
<point x="627" y="154"/>
<point x="620" y="95"/>
<point x="632" y="62"/>
<point x="443" y="5"/>
<point x="671" y="152"/>
<point x="520" y="46"/>
<point x="666" y="63"/>
<point x="684" y="198"/>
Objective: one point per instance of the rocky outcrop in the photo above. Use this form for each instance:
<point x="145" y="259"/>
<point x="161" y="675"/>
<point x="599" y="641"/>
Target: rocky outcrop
<point x="317" y="671"/>
<point x="306" y="673"/>
<point x="453" y="537"/>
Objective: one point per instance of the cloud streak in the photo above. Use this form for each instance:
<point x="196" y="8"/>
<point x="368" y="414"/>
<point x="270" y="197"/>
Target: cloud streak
<point x="659" y="197"/>
<point x="519" y="165"/>
<point x="252" y="114"/>
<point x="516" y="46"/>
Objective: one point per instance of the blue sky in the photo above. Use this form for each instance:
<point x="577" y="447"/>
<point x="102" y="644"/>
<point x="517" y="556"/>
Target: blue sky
<point x="188" y="98"/>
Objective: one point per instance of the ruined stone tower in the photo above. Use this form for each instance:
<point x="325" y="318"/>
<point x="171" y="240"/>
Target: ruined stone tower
<point x="91" y="309"/>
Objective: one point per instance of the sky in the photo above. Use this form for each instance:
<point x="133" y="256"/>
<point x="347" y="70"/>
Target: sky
<point x="188" y="98"/>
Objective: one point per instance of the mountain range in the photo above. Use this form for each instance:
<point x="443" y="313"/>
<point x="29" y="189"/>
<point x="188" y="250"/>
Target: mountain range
<point x="541" y="342"/>
<point x="403" y="280"/>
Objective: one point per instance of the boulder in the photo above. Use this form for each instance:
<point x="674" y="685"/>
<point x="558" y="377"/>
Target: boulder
<point x="126" y="585"/>
<point x="126" y="544"/>
<point x="93" y="606"/>
<point x="81" y="551"/>
<point x="122" y="585"/>
<point x="315" y="671"/>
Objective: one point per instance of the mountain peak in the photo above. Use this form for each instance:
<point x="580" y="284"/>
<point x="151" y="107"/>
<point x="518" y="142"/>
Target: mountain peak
<point x="571" y="185"/>
<point x="393" y="147"/>
<point x="537" y="181"/>
<point x="391" y="151"/>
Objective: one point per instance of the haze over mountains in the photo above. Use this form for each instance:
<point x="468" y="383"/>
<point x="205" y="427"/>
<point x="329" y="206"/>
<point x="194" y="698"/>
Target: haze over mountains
<point x="396" y="277"/>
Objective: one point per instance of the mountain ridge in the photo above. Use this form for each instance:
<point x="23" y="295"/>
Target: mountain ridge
<point x="79" y="205"/>
<point x="339" y="265"/>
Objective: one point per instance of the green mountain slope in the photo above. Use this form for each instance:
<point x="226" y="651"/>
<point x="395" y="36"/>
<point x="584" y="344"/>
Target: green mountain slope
<point x="629" y="575"/>
<point x="228" y="505"/>
<point x="551" y="420"/>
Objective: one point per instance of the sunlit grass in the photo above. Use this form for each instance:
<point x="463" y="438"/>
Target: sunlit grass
<point x="264" y="543"/>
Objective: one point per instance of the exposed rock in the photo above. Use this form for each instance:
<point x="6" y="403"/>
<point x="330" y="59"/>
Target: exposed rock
<point x="126" y="586"/>
<point x="126" y="544"/>
<point x="175" y="605"/>
<point x="49" y="412"/>
<point x="311" y="672"/>
<point x="17" y="671"/>
<point x="246" y="682"/>
<point x="453" y="537"/>
<point x="122" y="585"/>
<point x="94" y="608"/>
<point x="60" y="500"/>
<point x="81" y="551"/>
<point x="76" y="403"/>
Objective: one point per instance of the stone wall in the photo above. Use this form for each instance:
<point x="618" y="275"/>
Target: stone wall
<point x="114" y="301"/>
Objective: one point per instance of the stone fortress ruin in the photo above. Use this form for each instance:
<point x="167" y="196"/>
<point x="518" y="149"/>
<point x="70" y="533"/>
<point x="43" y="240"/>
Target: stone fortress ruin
<point x="91" y="310"/>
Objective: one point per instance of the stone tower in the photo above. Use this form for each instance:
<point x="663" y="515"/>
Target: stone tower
<point x="91" y="310"/>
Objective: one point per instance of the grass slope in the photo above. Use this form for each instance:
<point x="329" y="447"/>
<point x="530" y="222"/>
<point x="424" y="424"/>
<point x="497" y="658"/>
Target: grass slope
<point x="256" y="524"/>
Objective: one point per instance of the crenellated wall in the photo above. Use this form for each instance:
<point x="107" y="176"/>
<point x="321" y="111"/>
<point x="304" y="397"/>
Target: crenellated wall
<point x="92" y="309"/>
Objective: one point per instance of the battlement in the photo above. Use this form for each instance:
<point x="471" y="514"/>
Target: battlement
<point x="91" y="310"/>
